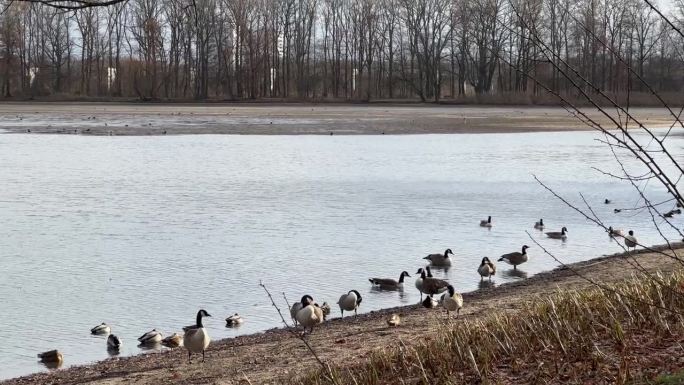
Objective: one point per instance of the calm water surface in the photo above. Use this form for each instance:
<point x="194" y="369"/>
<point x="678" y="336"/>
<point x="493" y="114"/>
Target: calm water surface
<point x="141" y="232"/>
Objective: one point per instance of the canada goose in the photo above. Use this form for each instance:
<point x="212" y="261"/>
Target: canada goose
<point x="428" y="285"/>
<point x="429" y="302"/>
<point x="113" y="342"/>
<point x="672" y="213"/>
<point x="617" y="210"/>
<point x="394" y="320"/>
<point x="310" y="314"/>
<point x="102" y="328"/>
<point x="614" y="232"/>
<point x="486" y="269"/>
<point x="630" y="240"/>
<point x="297" y="306"/>
<point x="387" y="283"/>
<point x="486" y="222"/>
<point x="234" y="320"/>
<point x="196" y="338"/>
<point x="440" y="259"/>
<point x="350" y="301"/>
<point x="539" y="225"/>
<point x="51" y="357"/>
<point x="607" y="201"/>
<point x="515" y="258"/>
<point x="558" y="234"/>
<point x="452" y="301"/>
<point x="173" y="341"/>
<point x="151" y="337"/>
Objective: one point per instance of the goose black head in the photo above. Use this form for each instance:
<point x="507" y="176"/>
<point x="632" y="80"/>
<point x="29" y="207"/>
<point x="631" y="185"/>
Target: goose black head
<point x="358" y="296"/>
<point x="200" y="314"/>
<point x="485" y="260"/>
<point x="420" y="271"/>
<point x="524" y="248"/>
<point x="564" y="229"/>
<point x="307" y="300"/>
<point x="631" y="232"/>
<point x="451" y="290"/>
<point x="489" y="219"/>
<point x="405" y="274"/>
<point x="447" y="252"/>
<point x="541" y="221"/>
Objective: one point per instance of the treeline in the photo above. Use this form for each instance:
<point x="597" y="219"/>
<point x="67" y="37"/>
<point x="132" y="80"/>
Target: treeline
<point x="335" y="49"/>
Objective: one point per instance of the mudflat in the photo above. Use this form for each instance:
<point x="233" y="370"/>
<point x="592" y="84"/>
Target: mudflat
<point x="298" y="119"/>
<point x="276" y="355"/>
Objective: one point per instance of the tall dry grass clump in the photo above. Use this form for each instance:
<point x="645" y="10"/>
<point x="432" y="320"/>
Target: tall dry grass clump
<point x="593" y="333"/>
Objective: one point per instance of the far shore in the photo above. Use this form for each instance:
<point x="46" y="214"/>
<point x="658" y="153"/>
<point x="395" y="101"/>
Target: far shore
<point x="275" y="356"/>
<point x="116" y="119"/>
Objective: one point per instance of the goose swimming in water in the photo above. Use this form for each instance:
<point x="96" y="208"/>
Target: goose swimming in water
<point x="539" y="225"/>
<point x="102" y="328"/>
<point x="515" y="258"/>
<point x="452" y="301"/>
<point x="113" y="342"/>
<point x="486" y="222"/>
<point x="486" y="269"/>
<point x="196" y="338"/>
<point x="558" y="234"/>
<point x="350" y="301"/>
<point x="387" y="283"/>
<point x="151" y="337"/>
<point x="234" y="320"/>
<point x="440" y="259"/>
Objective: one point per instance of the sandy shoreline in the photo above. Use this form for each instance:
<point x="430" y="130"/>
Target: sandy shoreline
<point x="274" y="356"/>
<point x="298" y="119"/>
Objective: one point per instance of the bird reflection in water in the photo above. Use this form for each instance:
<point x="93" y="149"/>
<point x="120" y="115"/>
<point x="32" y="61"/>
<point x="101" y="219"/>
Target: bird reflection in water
<point x="514" y="273"/>
<point x="485" y="284"/>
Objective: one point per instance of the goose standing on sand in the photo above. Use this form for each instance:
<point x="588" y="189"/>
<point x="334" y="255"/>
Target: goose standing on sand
<point x="428" y="285"/>
<point x="539" y="225"/>
<point x="196" y="338"/>
<point x="630" y="240"/>
<point x="310" y="314"/>
<point x="515" y="258"/>
<point x="113" y="342"/>
<point x="350" y="301"/>
<point x="558" y="234"/>
<point x="452" y="301"/>
<point x="440" y="259"/>
<point x="173" y="341"/>
<point x="385" y="283"/>
<point x="486" y="222"/>
<point x="102" y="328"/>
<point x="151" y="337"/>
<point x="486" y="269"/>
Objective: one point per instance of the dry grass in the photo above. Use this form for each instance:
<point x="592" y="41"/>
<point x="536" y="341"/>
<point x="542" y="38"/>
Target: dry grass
<point x="633" y="331"/>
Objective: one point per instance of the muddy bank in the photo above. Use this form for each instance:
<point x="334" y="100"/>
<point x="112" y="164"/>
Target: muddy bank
<point x="300" y="119"/>
<point x="274" y="356"/>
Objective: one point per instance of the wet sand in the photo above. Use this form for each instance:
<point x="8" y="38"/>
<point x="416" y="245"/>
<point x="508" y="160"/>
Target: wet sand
<point x="275" y="356"/>
<point x="294" y="119"/>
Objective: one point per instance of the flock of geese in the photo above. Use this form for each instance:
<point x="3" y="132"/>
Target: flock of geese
<point x="307" y="313"/>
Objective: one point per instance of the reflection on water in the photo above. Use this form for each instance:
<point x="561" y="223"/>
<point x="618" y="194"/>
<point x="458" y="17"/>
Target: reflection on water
<point x="514" y="273"/>
<point x="52" y="365"/>
<point x="142" y="232"/>
<point x="485" y="284"/>
<point x="113" y="352"/>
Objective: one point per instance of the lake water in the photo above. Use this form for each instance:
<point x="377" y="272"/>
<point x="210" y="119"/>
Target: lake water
<point x="141" y="232"/>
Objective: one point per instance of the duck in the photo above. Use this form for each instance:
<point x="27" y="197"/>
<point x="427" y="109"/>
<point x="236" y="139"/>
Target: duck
<point x="429" y="302"/>
<point x="350" y="301"/>
<point x="394" y="320"/>
<point x="113" y="342"/>
<point x="515" y="258"/>
<point x="614" y="232"/>
<point x="388" y="283"/>
<point x="326" y="310"/>
<point x="102" y="328"/>
<point x="486" y="222"/>
<point x="234" y="320"/>
<point x="196" y="339"/>
<point x="51" y="357"/>
<point x="630" y="240"/>
<point x="539" y="225"/>
<point x="173" y="341"/>
<point x="440" y="259"/>
<point x="486" y="269"/>
<point x="429" y="285"/>
<point x="310" y="314"/>
<point x="558" y="234"/>
<point x="452" y="301"/>
<point x="151" y="337"/>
